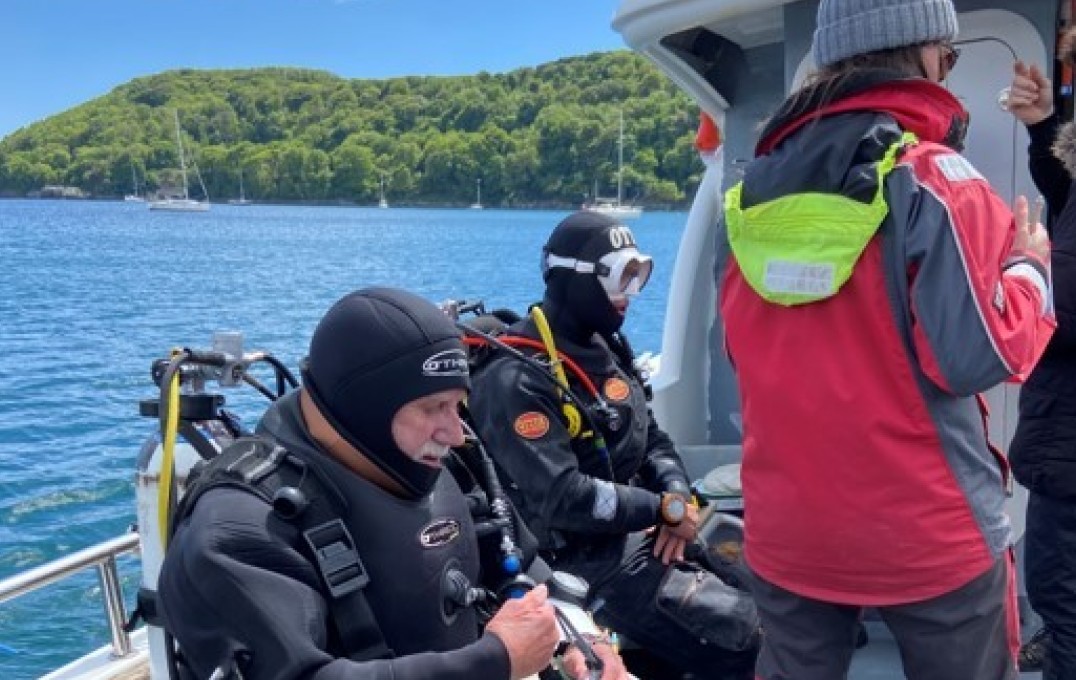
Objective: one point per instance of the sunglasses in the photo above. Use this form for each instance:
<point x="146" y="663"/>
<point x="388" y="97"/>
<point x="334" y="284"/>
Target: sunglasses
<point x="949" y="56"/>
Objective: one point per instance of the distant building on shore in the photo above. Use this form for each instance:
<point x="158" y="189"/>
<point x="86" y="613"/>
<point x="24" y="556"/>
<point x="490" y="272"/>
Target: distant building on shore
<point x="58" y="191"/>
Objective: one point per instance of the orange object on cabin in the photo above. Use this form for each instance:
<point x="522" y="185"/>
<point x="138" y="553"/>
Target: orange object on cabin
<point x="708" y="138"/>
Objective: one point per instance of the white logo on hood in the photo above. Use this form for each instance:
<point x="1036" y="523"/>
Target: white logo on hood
<point x="450" y="362"/>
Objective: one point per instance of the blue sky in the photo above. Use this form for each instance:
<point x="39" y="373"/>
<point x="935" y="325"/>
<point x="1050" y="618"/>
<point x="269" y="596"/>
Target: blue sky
<point x="55" y="54"/>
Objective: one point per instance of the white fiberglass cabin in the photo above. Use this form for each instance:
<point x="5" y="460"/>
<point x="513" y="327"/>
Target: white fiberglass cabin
<point x="738" y="59"/>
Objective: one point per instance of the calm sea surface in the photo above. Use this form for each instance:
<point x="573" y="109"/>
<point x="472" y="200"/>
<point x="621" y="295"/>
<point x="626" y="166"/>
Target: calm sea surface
<point x="91" y="293"/>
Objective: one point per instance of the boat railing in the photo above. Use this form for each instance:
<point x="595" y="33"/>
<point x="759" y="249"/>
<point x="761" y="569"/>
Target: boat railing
<point x="103" y="556"/>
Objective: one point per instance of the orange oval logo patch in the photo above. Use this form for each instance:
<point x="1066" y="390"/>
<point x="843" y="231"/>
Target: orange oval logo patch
<point x="616" y="389"/>
<point x="531" y="425"/>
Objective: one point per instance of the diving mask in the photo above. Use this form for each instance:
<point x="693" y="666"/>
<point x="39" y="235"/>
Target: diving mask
<point x="620" y="272"/>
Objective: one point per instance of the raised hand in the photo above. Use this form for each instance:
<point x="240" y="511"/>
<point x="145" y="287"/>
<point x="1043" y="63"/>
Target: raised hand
<point x="1031" y="97"/>
<point x="528" y="628"/>
<point x="1031" y="236"/>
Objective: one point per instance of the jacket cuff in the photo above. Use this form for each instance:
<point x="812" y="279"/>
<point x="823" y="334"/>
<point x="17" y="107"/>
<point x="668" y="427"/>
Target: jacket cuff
<point x="680" y="487"/>
<point x="1042" y="133"/>
<point x="1038" y="273"/>
<point x="641" y="508"/>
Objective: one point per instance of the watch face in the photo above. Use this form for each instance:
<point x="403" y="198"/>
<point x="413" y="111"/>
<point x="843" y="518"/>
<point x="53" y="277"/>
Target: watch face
<point x="677" y="508"/>
<point x="674" y="508"/>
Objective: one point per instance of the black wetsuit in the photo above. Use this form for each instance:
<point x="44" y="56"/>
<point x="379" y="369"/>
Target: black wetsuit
<point x="236" y="582"/>
<point x="589" y="511"/>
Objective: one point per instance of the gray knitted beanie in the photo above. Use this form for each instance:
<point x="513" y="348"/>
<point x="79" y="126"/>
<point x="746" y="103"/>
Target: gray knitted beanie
<point x="850" y="27"/>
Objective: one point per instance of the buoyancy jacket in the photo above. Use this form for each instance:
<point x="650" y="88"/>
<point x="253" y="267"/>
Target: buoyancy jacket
<point x="237" y="583"/>
<point x="580" y="503"/>
<point x="1043" y="451"/>
<point x="867" y="475"/>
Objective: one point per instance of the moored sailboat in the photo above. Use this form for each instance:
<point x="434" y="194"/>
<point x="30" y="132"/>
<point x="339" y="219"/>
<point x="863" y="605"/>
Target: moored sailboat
<point x="615" y="208"/>
<point x="134" y="197"/>
<point x="242" y="200"/>
<point x="182" y="203"/>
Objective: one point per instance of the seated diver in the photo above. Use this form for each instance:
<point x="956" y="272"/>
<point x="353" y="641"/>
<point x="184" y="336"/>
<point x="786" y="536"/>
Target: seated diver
<point x="335" y="545"/>
<point x="595" y="478"/>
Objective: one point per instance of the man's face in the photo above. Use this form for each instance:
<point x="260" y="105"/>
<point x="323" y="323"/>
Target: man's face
<point x="426" y="428"/>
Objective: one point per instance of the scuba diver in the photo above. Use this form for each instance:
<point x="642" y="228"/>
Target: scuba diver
<point x="333" y="544"/>
<point x="597" y="481"/>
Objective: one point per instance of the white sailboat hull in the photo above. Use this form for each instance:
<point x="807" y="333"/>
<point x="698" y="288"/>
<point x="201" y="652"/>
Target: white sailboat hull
<point x="179" y="205"/>
<point x="621" y="212"/>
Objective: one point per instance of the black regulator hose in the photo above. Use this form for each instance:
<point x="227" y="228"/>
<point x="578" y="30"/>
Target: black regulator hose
<point x="511" y="555"/>
<point x="285" y="379"/>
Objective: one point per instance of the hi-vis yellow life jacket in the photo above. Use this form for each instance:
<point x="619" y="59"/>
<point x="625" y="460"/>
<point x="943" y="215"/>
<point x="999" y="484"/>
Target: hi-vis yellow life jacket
<point x="802" y="247"/>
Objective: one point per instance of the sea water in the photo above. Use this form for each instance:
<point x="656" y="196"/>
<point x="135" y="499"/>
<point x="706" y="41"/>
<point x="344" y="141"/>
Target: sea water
<point x="92" y="292"/>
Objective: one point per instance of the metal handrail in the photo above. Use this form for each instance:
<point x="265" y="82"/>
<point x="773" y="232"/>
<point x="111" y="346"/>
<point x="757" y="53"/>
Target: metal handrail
<point x="103" y="556"/>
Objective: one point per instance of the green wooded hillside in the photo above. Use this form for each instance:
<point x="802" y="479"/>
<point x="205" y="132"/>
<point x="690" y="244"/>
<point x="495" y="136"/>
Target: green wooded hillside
<point x="534" y="136"/>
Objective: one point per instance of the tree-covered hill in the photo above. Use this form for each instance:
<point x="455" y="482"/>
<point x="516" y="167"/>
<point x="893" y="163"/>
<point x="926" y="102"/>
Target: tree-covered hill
<point x="534" y="136"/>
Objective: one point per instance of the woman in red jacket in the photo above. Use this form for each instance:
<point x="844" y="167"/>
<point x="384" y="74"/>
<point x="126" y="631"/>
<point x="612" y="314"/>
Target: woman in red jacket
<point x="872" y="284"/>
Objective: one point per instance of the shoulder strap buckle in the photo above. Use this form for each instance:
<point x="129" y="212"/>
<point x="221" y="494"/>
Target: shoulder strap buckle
<point x="337" y="558"/>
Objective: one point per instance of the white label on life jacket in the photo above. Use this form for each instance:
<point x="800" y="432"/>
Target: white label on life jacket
<point x="800" y="278"/>
<point x="956" y="168"/>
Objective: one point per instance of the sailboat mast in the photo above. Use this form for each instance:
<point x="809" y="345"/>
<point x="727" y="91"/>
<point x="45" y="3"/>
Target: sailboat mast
<point x="620" y="162"/>
<point x="182" y="160"/>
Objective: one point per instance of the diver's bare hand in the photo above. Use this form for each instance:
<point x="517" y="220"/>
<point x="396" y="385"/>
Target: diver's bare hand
<point x="528" y="628"/>
<point x="672" y="540"/>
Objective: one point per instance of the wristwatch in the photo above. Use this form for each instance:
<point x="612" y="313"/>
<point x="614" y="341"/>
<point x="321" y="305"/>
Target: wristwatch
<point x="673" y="508"/>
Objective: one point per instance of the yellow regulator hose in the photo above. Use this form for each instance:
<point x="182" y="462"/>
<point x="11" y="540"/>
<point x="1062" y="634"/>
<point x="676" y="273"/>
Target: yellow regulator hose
<point x="168" y="458"/>
<point x="575" y="419"/>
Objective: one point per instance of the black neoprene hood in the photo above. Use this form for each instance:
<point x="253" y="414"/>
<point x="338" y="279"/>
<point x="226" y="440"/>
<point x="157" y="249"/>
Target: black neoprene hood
<point x="374" y="351"/>
<point x="585" y="236"/>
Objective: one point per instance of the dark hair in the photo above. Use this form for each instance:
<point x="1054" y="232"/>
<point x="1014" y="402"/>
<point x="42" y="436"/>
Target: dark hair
<point x="828" y="80"/>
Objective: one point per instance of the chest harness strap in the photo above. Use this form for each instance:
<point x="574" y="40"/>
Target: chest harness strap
<point x="301" y="497"/>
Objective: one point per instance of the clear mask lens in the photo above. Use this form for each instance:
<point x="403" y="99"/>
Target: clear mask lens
<point x="621" y="273"/>
<point x="624" y="272"/>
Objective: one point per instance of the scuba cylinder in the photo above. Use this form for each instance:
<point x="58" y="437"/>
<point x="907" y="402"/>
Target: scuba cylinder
<point x="193" y="426"/>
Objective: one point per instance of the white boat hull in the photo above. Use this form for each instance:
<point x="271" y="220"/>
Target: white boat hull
<point x="621" y="212"/>
<point x="179" y="205"/>
<point x="102" y="664"/>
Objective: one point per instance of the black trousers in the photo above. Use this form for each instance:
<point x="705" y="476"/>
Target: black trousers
<point x="1050" y="570"/>
<point x="682" y="613"/>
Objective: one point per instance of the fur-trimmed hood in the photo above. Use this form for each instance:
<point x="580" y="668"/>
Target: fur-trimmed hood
<point x="1064" y="147"/>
